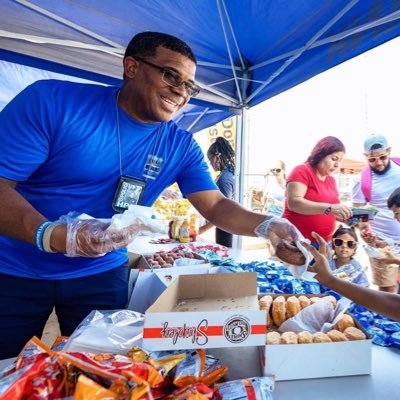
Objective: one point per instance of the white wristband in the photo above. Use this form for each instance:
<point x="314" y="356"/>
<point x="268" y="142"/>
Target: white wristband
<point x="46" y="237"/>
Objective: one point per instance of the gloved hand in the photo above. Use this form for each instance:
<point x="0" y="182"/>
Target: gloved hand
<point x="92" y="238"/>
<point x="276" y="229"/>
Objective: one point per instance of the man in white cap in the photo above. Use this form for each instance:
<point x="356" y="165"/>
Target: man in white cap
<point x="376" y="182"/>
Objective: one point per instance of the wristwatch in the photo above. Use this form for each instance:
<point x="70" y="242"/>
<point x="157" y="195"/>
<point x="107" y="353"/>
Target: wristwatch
<point x="328" y="210"/>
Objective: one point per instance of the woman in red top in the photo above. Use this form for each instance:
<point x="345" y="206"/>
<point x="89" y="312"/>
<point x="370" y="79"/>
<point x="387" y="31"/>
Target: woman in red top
<point x="312" y="198"/>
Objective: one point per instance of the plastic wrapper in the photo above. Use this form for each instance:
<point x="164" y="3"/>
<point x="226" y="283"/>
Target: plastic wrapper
<point x="245" y="389"/>
<point x="395" y="339"/>
<point x="318" y="317"/>
<point x="140" y="216"/>
<point x="43" y="379"/>
<point x="388" y="325"/>
<point x="163" y="361"/>
<point x="196" y="391"/>
<point x="115" y="331"/>
<point x="381" y="329"/>
<point x="348" y="272"/>
<point x="198" y="367"/>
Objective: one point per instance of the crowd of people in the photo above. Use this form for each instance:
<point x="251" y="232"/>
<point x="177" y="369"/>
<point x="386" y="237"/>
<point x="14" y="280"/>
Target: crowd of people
<point x="73" y="148"/>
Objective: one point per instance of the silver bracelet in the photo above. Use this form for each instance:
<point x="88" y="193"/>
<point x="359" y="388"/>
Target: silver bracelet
<point x="46" y="237"/>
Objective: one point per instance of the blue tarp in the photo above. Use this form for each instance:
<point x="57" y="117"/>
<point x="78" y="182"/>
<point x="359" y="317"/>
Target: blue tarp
<point x="248" y="50"/>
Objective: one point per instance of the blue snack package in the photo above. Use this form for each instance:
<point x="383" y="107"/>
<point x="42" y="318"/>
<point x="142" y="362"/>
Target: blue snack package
<point x="379" y="337"/>
<point x="387" y="325"/>
<point x="395" y="339"/>
<point x="312" y="287"/>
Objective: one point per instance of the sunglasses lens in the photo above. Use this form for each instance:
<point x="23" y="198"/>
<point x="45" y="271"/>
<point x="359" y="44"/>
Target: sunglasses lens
<point x="338" y="242"/>
<point x="173" y="79"/>
<point x="351" y="244"/>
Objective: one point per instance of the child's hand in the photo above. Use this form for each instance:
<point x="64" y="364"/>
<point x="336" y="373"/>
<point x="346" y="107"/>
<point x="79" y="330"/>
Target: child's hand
<point x="321" y="265"/>
<point x="389" y="258"/>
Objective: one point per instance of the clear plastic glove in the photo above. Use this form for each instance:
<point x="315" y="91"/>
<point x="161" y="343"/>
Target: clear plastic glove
<point x="276" y="229"/>
<point x="91" y="238"/>
<point x="169" y="194"/>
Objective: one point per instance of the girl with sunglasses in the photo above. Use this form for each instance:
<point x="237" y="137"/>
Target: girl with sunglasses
<point x="344" y="245"/>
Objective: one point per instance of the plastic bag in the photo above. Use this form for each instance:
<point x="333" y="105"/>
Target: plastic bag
<point x="115" y="331"/>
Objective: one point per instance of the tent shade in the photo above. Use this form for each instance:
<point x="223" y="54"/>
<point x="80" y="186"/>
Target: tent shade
<point x="247" y="50"/>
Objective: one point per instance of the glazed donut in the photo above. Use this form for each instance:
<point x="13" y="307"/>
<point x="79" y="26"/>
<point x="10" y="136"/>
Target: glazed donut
<point x="289" y="253"/>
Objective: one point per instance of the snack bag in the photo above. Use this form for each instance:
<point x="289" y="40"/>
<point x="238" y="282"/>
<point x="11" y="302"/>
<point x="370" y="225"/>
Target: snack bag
<point x="197" y="391"/>
<point x="162" y="361"/>
<point x="198" y="367"/>
<point x="245" y="389"/>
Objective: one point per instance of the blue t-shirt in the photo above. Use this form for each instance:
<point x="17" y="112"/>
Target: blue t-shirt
<point x="59" y="141"/>
<point x="226" y="184"/>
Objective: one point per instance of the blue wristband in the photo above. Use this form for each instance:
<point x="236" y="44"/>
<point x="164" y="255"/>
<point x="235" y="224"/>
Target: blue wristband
<point x="39" y="234"/>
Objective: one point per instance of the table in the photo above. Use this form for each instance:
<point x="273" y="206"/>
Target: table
<point x="382" y="384"/>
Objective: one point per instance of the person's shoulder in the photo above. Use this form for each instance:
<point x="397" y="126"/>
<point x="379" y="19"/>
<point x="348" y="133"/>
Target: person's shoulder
<point x="68" y="88"/>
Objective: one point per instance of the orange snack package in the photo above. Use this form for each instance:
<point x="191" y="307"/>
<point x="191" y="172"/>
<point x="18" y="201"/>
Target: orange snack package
<point x="198" y="367"/>
<point x="197" y="391"/>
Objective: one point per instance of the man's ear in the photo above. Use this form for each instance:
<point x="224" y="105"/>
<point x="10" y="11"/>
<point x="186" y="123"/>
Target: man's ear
<point x="130" y="67"/>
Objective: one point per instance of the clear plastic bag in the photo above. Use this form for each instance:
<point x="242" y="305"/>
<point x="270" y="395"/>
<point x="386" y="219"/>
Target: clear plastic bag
<point x="109" y="331"/>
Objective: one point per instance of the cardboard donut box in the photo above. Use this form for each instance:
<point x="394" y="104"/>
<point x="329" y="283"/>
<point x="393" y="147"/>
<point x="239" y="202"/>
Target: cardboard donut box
<point x="206" y="311"/>
<point x="316" y="360"/>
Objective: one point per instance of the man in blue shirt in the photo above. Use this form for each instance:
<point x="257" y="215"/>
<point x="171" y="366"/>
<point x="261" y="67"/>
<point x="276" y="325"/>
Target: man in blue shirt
<point x="84" y="148"/>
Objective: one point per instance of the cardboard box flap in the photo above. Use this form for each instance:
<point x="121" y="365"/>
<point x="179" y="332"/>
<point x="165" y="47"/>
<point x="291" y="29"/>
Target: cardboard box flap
<point x="210" y="286"/>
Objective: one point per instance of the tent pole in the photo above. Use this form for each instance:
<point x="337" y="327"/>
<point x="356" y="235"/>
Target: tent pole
<point x="240" y="162"/>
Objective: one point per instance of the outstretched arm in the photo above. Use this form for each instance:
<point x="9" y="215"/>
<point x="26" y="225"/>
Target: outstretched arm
<point x="387" y="304"/>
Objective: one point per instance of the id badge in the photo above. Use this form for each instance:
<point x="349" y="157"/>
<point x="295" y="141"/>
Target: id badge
<point x="129" y="192"/>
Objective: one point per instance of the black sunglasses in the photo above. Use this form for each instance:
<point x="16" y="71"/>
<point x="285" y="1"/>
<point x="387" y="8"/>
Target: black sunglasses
<point x="173" y="79"/>
<point x="276" y="170"/>
<point x="351" y="244"/>
<point x="382" y="158"/>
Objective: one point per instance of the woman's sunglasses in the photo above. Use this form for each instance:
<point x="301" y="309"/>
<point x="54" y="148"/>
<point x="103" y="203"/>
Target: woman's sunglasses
<point x="373" y="159"/>
<point x="277" y="170"/>
<point x="351" y="244"/>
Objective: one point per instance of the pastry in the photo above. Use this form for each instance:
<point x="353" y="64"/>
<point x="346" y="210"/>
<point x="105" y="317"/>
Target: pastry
<point x="320" y="337"/>
<point x="337" y="336"/>
<point x="304" y="301"/>
<point x="289" y="338"/>
<point x="304" y="337"/>
<point x="289" y="253"/>
<point x="353" y="333"/>
<point x="344" y="323"/>
<point x="265" y="304"/>
<point x="292" y="306"/>
<point x="279" y="310"/>
<point x="273" y="338"/>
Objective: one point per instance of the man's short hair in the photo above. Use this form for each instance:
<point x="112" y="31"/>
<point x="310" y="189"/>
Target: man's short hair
<point x="394" y="199"/>
<point x="145" y="45"/>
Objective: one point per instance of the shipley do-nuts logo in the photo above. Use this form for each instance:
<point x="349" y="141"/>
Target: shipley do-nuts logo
<point x="237" y="329"/>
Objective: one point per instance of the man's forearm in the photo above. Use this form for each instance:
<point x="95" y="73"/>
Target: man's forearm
<point x="387" y="304"/>
<point x="18" y="218"/>
<point x="232" y="217"/>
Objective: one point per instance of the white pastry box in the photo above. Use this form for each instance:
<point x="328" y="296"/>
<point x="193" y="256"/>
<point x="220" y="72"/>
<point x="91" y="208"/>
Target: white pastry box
<point x="317" y="360"/>
<point x="206" y="311"/>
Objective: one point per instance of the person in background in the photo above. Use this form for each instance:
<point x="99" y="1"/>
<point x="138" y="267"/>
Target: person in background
<point x="344" y="245"/>
<point x="276" y="189"/>
<point x="312" y="198"/>
<point x="387" y="304"/>
<point x="78" y="147"/>
<point x="373" y="186"/>
<point x="222" y="159"/>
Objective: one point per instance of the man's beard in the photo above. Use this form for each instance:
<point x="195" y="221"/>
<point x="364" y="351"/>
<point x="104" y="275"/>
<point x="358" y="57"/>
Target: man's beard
<point x="383" y="172"/>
